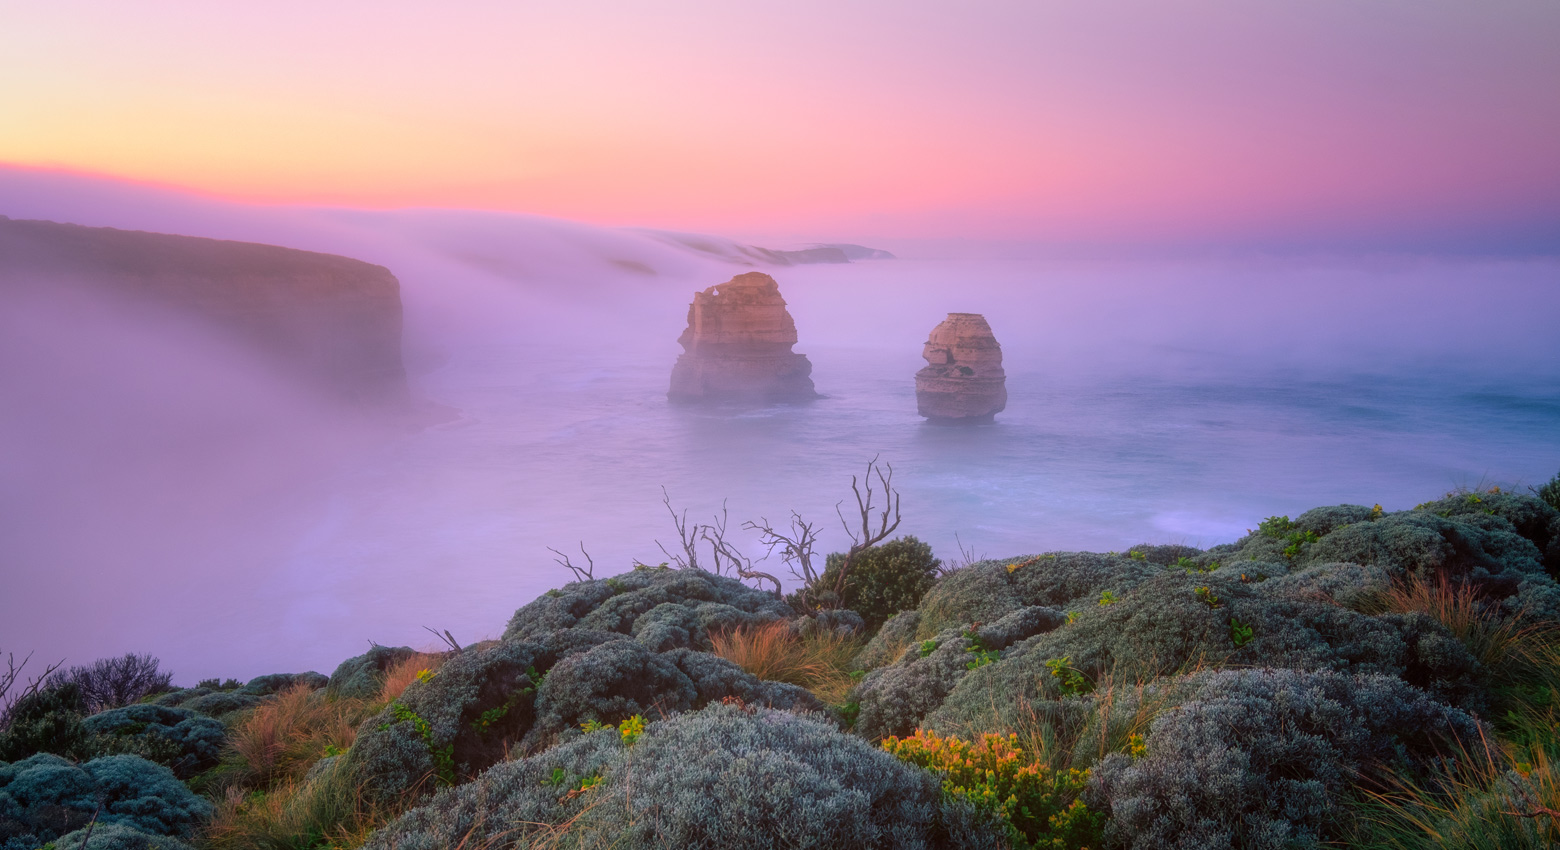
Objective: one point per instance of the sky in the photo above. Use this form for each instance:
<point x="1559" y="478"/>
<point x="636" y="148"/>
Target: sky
<point x="1417" y="124"/>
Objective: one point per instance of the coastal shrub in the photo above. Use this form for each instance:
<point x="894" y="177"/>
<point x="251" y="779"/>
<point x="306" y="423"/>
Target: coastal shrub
<point x="114" y="682"/>
<point x="185" y="741"/>
<point x="894" y="699"/>
<point x="45" y="796"/>
<point x="1325" y="520"/>
<point x="1482" y="548"/>
<point x="727" y="776"/>
<point x="275" y="683"/>
<point x="361" y="676"/>
<point x="221" y="704"/>
<point x="715" y="679"/>
<point x="115" y="836"/>
<point x="1037" y="806"/>
<point x="883" y="580"/>
<point x="47" y="720"/>
<point x="890" y="642"/>
<point x="1267" y="758"/>
<point x="979" y="593"/>
<point x="1532" y="517"/>
<point x="616" y="604"/>
<point x="1164" y="626"/>
<point x="179" y="696"/>
<point x="1061" y="579"/>
<point x="1549" y="494"/>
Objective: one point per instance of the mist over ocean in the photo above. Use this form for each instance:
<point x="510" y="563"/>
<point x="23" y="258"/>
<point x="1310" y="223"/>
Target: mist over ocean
<point x="164" y="495"/>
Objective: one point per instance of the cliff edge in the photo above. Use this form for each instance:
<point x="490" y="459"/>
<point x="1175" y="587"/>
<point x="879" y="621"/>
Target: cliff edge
<point x="332" y="320"/>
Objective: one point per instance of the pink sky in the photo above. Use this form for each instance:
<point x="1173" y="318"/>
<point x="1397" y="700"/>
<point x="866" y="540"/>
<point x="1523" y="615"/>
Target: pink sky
<point x="1334" y="121"/>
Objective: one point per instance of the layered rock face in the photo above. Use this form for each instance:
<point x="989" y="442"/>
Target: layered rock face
<point x="963" y="380"/>
<point x="737" y="346"/>
<point x="334" y="321"/>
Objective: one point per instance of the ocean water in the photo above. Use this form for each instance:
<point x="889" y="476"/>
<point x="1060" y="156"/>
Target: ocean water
<point x="1148" y="402"/>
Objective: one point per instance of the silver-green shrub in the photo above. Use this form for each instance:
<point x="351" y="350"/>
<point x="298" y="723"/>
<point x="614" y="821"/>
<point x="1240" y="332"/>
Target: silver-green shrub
<point x="724" y="777"/>
<point x="1266" y="759"/>
<point x="184" y="740"/>
<point x="45" y="796"/>
<point x="361" y="676"/>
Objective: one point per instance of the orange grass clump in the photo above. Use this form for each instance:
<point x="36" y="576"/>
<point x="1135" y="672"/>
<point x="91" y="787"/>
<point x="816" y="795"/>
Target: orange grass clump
<point x="819" y="663"/>
<point x="405" y="672"/>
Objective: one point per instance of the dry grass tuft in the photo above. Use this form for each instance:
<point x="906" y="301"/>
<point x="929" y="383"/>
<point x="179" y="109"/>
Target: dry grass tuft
<point x="1514" y="649"/>
<point x="400" y="675"/>
<point x="284" y="735"/>
<point x="820" y="663"/>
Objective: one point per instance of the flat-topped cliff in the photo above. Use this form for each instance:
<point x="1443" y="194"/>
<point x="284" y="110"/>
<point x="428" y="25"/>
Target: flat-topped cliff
<point x="963" y="380"/>
<point x="737" y="346"/>
<point x="333" y="320"/>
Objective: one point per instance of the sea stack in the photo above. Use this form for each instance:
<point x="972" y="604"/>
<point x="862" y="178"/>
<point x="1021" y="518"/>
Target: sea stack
<point x="963" y="380"/>
<point x="737" y="347"/>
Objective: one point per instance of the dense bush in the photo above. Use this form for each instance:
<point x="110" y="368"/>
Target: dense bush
<point x="895" y="699"/>
<point x="182" y="739"/>
<point x="1265" y="759"/>
<point x="1177" y="622"/>
<point x="360" y="676"/>
<point x="890" y="642"/>
<point x="707" y="602"/>
<point x="45" y="796"/>
<point x="114" y="836"/>
<point x="47" y="720"/>
<point x="882" y="580"/>
<point x="221" y="704"/>
<point x="1549" y="494"/>
<point x="274" y="683"/>
<point x="113" y="682"/>
<point x="723" y="777"/>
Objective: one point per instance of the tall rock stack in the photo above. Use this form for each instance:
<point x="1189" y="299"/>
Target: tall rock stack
<point x="963" y="380"/>
<point x="737" y="346"/>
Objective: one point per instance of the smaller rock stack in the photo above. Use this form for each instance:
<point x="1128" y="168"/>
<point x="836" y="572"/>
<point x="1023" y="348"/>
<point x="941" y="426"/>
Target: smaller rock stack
<point x="737" y="346"/>
<point x="963" y="381"/>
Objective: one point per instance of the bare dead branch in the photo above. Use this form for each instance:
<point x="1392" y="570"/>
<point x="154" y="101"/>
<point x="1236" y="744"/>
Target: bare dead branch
<point x="795" y="545"/>
<point x="966" y="558"/>
<point x="724" y="554"/>
<point x="585" y="573"/>
<point x="447" y="638"/>
<point x="687" y="539"/>
<point x="887" y="520"/>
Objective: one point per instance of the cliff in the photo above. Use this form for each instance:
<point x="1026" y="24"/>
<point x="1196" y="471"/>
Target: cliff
<point x="737" y="346"/>
<point x="963" y="380"/>
<point x="332" y="320"/>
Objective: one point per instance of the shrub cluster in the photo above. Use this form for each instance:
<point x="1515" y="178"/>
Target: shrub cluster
<point x="727" y="776"/>
<point x="662" y="608"/>
<point x="882" y="580"/>
<point x="44" y="796"/>
<point x="1266" y="759"/>
<point x="185" y="741"/>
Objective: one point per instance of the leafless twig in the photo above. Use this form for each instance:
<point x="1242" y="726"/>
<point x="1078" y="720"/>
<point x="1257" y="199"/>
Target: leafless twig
<point x="724" y="554"/>
<point x="687" y="538"/>
<point x="446" y="637"/>
<point x="585" y="573"/>
<point x="795" y="545"/>
<point x="868" y="536"/>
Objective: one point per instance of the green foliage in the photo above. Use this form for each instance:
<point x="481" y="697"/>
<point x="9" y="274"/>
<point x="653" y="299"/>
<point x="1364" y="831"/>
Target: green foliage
<point x="1206" y="596"/>
<point x="1107" y="598"/>
<point x="1240" y="633"/>
<point x="928" y="647"/>
<point x="631" y="729"/>
<point x="1276" y="527"/>
<point x="443" y="757"/>
<point x="1070" y="680"/>
<point x="1296" y="541"/>
<point x="983" y="652"/>
<point x="1038" y="807"/>
<point x="1137" y="556"/>
<point x="1549" y="494"/>
<point x="883" y="580"/>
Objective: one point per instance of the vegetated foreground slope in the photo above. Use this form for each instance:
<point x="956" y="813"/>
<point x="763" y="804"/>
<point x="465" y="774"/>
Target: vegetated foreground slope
<point x="1351" y="676"/>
